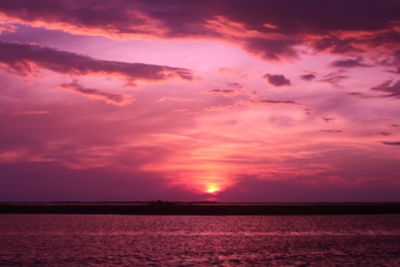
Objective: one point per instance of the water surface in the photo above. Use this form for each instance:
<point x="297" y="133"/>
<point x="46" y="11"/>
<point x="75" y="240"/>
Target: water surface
<point x="347" y="240"/>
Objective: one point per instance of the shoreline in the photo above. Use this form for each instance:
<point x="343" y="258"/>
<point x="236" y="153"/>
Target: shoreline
<point x="197" y="208"/>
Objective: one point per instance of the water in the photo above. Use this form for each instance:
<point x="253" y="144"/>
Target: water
<point x="73" y="240"/>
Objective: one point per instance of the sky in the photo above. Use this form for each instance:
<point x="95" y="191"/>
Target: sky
<point x="186" y="100"/>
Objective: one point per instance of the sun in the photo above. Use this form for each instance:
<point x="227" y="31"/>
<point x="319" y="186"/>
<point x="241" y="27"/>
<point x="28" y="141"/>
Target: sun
<point x="212" y="189"/>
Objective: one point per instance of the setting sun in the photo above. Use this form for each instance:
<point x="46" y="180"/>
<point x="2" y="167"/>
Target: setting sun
<point x="212" y="189"/>
<point x="140" y="101"/>
<point x="173" y="132"/>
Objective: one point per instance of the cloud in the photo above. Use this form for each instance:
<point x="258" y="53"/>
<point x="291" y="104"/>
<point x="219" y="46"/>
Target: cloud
<point x="226" y="92"/>
<point x="7" y="28"/>
<point x="94" y="134"/>
<point x="308" y="77"/>
<point x="271" y="49"/>
<point x="392" y="61"/>
<point x="26" y="59"/>
<point x="265" y="28"/>
<point x="327" y="119"/>
<point x="231" y="90"/>
<point x="176" y="99"/>
<point x="392" y="90"/>
<point x="277" y="80"/>
<point x="331" y="131"/>
<point x="331" y="173"/>
<point x="391" y="143"/>
<point x="235" y="86"/>
<point x="276" y="102"/>
<point x="253" y="189"/>
<point x="120" y="18"/>
<point x="360" y="95"/>
<point x="396" y="62"/>
<point x="334" y="78"/>
<point x="131" y="16"/>
<point x="110" y="98"/>
<point x="349" y="63"/>
<point x="51" y="181"/>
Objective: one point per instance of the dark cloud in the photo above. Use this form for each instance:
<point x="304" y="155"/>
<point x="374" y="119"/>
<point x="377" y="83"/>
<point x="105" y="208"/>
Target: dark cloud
<point x="391" y="143"/>
<point x="277" y="80"/>
<point x="392" y="61"/>
<point x="277" y="102"/>
<point x="308" y="77"/>
<point x="118" y="16"/>
<point x="387" y="87"/>
<point x="388" y="39"/>
<point x="335" y="45"/>
<point x="111" y="98"/>
<point x="349" y="63"/>
<point x="396" y="62"/>
<point x="271" y="49"/>
<point x="26" y="59"/>
<point x="268" y="28"/>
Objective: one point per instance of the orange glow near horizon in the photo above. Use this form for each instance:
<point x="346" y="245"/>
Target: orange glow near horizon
<point x="212" y="189"/>
<point x="223" y="102"/>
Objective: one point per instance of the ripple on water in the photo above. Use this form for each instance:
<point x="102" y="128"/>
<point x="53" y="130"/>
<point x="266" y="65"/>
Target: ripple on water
<point x="68" y="240"/>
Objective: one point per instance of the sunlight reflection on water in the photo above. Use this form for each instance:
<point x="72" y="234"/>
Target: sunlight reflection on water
<point x="360" y="240"/>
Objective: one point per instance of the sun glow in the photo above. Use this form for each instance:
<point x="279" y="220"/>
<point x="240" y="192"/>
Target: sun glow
<point x="212" y="189"/>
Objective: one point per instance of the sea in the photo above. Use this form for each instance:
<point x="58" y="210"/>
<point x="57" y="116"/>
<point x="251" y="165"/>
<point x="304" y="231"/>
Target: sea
<point x="108" y="240"/>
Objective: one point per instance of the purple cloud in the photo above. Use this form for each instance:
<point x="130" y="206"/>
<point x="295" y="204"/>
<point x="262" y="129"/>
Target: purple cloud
<point x="277" y="80"/>
<point x="387" y="87"/>
<point x="272" y="30"/>
<point x="349" y="63"/>
<point x="25" y="59"/>
<point x="391" y="143"/>
<point x="308" y="77"/>
<point x="271" y="49"/>
<point x="327" y="119"/>
<point x="276" y="102"/>
<point x="111" y="98"/>
<point x="226" y="92"/>
<point x="251" y="189"/>
<point x="334" y="78"/>
<point x="50" y="181"/>
<point x="335" y="45"/>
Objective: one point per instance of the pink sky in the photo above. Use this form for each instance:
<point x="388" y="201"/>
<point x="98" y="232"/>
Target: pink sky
<point x="200" y="100"/>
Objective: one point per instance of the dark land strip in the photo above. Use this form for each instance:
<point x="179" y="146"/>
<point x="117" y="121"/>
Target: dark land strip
<point x="180" y="208"/>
